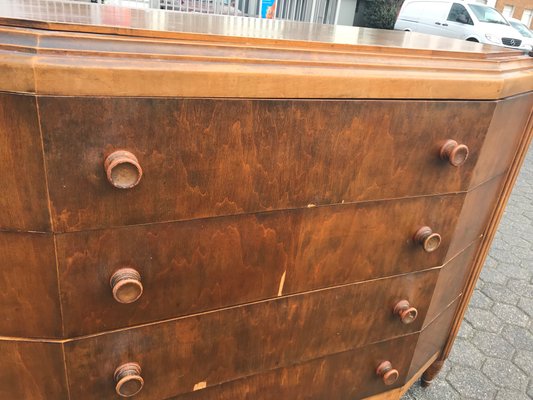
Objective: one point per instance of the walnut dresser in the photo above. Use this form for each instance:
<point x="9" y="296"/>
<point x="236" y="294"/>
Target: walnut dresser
<point x="209" y="207"/>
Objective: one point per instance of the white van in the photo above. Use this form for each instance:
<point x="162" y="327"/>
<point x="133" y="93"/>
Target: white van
<point x="459" y="19"/>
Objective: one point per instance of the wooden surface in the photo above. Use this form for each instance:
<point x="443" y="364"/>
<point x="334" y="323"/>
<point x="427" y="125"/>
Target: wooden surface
<point x="502" y="138"/>
<point x="433" y="338"/>
<point x="475" y="214"/>
<point x="91" y="18"/>
<point x="343" y="376"/>
<point x="452" y="280"/>
<point x="32" y="370"/>
<point x="29" y="299"/>
<point x="251" y="156"/>
<point x="237" y="342"/>
<point x="24" y="200"/>
<point x="194" y="266"/>
<point x="490" y="230"/>
<point x="130" y="52"/>
<point x="261" y="220"/>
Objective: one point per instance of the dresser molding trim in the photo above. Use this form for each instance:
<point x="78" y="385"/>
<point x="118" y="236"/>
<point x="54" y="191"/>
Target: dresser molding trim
<point x="45" y="53"/>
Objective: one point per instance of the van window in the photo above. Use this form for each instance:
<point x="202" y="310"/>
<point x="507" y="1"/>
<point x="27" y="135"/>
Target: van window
<point x="487" y="14"/>
<point x="458" y="13"/>
<point x="416" y="10"/>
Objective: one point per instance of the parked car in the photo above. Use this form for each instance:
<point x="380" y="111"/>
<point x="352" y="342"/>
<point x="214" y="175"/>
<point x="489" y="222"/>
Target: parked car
<point x="527" y="35"/>
<point x="458" y="19"/>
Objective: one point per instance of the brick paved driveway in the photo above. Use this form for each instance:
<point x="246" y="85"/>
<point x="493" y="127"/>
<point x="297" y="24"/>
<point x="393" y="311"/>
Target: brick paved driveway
<point x="493" y="354"/>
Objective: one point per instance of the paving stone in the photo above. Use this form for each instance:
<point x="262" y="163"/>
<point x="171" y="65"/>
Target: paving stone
<point x="465" y="353"/>
<point x="530" y="389"/>
<point x="483" y="319"/>
<point x="524" y="360"/>
<point x="519" y="337"/>
<point x="504" y="373"/>
<point x="513" y="270"/>
<point x="522" y="288"/>
<point x="493" y="345"/>
<point x="438" y="390"/>
<point x="511" y="314"/>
<point x="500" y="293"/>
<point x="504" y="255"/>
<point x="466" y="331"/>
<point x="469" y="382"/>
<point x="493" y="276"/>
<point x="526" y="305"/>
<point x="506" y="394"/>
<point x="480" y="300"/>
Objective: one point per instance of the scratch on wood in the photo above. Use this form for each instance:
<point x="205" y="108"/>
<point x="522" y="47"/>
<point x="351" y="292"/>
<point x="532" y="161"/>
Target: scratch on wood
<point x="281" y="283"/>
<point x="200" y="386"/>
<point x="311" y="205"/>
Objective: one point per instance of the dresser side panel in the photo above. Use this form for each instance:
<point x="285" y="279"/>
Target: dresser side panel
<point x="24" y="201"/>
<point x="503" y="137"/>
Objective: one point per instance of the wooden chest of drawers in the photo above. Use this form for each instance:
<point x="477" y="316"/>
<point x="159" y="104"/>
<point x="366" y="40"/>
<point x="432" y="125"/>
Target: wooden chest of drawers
<point x="200" y="207"/>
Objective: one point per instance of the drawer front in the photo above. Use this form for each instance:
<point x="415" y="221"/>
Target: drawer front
<point x="194" y="266"/>
<point x="203" y="157"/>
<point x="229" y="344"/>
<point x="23" y="203"/>
<point x="29" y="299"/>
<point x="434" y="337"/>
<point x="349" y="375"/>
<point x="32" y="371"/>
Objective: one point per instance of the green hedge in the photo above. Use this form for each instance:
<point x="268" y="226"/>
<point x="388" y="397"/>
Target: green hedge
<point x="382" y="13"/>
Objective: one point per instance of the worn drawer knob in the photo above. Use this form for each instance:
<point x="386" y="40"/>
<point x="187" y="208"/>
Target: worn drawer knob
<point x="387" y="373"/>
<point x="126" y="285"/>
<point x="128" y="380"/>
<point x="122" y="169"/>
<point x="456" y="154"/>
<point x="429" y="240"/>
<point x="406" y="313"/>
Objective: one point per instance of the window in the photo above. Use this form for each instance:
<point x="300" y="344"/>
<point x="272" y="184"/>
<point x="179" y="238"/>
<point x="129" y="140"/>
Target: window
<point x="487" y="14"/>
<point x="521" y="28"/>
<point x="427" y="9"/>
<point x="527" y="16"/>
<point x="508" y="11"/>
<point x="459" y="14"/>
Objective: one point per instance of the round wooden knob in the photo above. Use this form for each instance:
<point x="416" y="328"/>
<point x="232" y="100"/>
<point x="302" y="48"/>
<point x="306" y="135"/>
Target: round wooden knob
<point x="128" y="380"/>
<point x="387" y="373"/>
<point x="122" y="169"/>
<point x="456" y="154"/>
<point x="429" y="240"/>
<point x="126" y="285"/>
<point x="406" y="313"/>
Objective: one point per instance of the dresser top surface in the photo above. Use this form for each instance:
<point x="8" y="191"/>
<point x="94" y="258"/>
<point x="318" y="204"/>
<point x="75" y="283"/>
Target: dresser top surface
<point x="84" y="49"/>
<point x="108" y="19"/>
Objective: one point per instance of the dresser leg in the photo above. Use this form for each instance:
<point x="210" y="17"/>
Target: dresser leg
<point x="431" y="373"/>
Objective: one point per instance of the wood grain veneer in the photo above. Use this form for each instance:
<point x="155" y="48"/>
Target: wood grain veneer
<point x="32" y="370"/>
<point x="199" y="265"/>
<point x="24" y="203"/>
<point x="29" y="298"/>
<point x="342" y="376"/>
<point x="434" y="336"/>
<point x="452" y="280"/>
<point x="130" y="52"/>
<point x="261" y="185"/>
<point x="241" y="341"/>
<point x="205" y="157"/>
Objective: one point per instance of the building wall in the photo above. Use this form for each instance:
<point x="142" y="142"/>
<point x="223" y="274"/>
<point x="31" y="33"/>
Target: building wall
<point x="347" y="12"/>
<point x="519" y="7"/>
